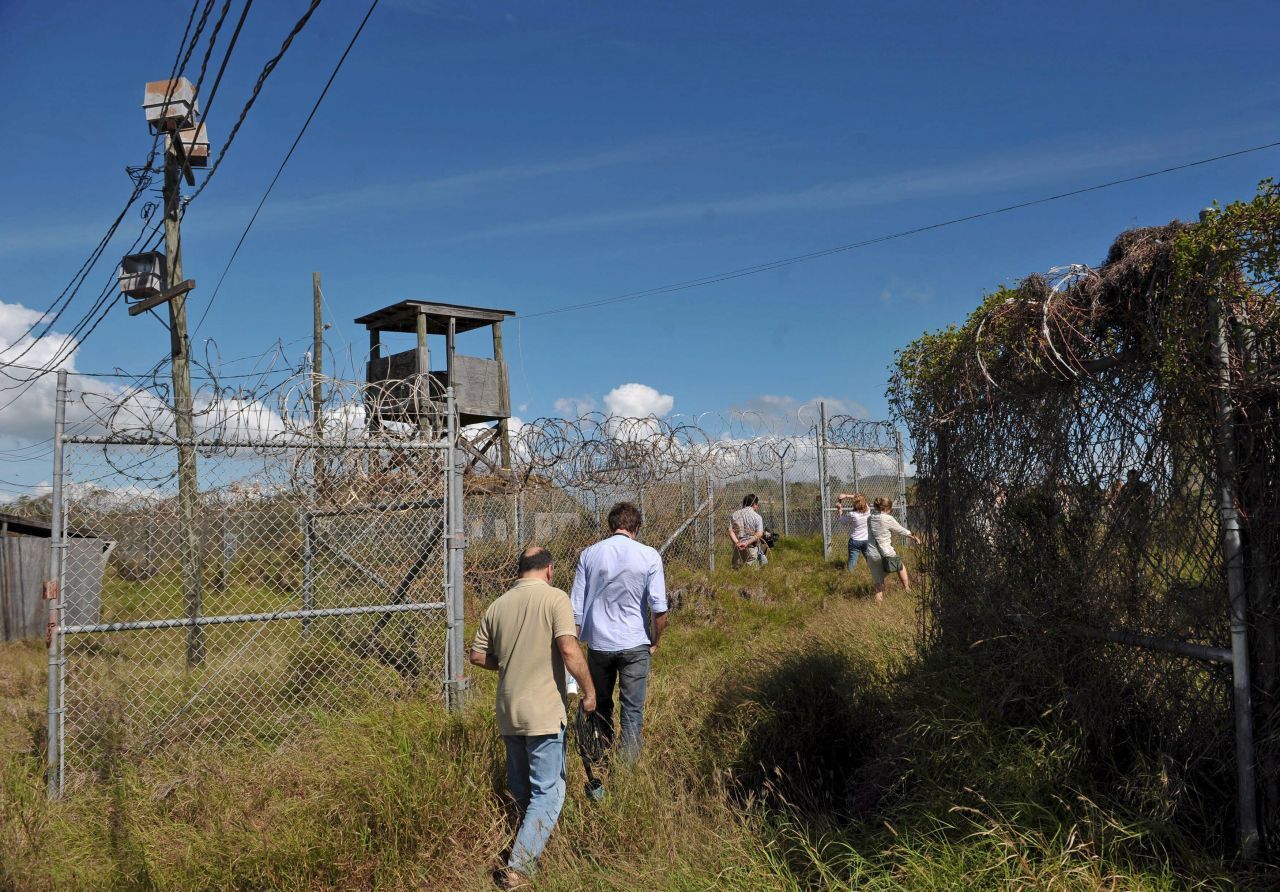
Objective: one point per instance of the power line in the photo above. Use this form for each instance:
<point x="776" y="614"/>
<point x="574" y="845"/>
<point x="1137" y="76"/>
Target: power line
<point x="226" y="57"/>
<point x="269" y="67"/>
<point x="838" y="249"/>
<point x="297" y="139"/>
<point x="142" y="181"/>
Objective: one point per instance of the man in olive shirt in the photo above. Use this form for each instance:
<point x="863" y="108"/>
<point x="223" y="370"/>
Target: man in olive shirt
<point x="528" y="636"/>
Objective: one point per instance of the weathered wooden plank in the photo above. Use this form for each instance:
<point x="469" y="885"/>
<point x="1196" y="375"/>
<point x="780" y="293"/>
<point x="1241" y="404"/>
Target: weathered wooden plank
<point x="163" y="297"/>
<point x="25" y="562"/>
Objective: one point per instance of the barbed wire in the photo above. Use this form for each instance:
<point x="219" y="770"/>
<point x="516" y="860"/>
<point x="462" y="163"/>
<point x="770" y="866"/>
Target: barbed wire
<point x="272" y="407"/>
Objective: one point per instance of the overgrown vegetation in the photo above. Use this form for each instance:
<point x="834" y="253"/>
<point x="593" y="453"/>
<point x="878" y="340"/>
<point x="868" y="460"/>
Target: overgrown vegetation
<point x="795" y="740"/>
<point x="1075" y="438"/>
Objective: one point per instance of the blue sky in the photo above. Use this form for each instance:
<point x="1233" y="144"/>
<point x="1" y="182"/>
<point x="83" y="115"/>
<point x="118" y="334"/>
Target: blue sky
<point x="532" y="155"/>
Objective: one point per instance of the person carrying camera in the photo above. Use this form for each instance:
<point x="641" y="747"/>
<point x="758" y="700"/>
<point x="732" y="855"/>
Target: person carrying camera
<point x="746" y="531"/>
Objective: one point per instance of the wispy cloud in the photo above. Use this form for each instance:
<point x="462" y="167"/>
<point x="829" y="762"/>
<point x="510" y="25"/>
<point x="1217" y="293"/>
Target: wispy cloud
<point x="443" y="189"/>
<point x="382" y="196"/>
<point x="1044" y="164"/>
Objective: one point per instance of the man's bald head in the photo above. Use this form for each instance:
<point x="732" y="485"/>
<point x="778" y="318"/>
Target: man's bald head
<point x="533" y="561"/>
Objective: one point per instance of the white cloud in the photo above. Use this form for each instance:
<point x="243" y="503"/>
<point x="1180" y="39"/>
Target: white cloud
<point x="26" y="412"/>
<point x="784" y="413"/>
<point x="96" y="404"/>
<point x="575" y="406"/>
<point x="638" y="401"/>
<point x="902" y="294"/>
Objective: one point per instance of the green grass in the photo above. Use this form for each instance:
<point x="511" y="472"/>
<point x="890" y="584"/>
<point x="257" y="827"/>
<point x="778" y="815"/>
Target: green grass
<point x="794" y="740"/>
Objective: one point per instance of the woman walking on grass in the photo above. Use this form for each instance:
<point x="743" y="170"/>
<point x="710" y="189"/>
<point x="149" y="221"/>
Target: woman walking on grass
<point x="855" y="521"/>
<point x="881" y="557"/>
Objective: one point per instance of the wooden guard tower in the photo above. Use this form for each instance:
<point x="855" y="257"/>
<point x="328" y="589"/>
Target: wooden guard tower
<point x="407" y="390"/>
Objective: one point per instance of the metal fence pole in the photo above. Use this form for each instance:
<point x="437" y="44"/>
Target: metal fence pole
<point x="822" y="480"/>
<point x="308" y="569"/>
<point x="519" y="519"/>
<point x="456" y="544"/>
<point x="786" y="511"/>
<point x="53" y="592"/>
<point x="1233" y="555"/>
<point x="902" y="479"/>
<point x="711" y="524"/>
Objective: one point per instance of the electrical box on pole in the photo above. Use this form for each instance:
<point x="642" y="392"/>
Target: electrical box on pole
<point x="170" y="105"/>
<point x="143" y="275"/>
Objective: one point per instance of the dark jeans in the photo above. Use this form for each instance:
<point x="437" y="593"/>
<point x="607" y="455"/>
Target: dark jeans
<point x="629" y="671"/>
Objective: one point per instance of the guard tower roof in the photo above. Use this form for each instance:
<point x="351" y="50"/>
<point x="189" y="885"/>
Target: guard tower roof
<point x="404" y="315"/>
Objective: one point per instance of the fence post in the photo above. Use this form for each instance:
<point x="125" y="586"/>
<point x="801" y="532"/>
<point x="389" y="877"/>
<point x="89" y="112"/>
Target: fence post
<point x="902" y="479"/>
<point x="822" y="480"/>
<point x="519" y="518"/>
<point x="151" y="559"/>
<point x="454" y="663"/>
<point x="711" y="524"/>
<point x="53" y="592"/>
<point x="1233" y="555"/>
<point x="308" y="570"/>
<point x="786" y="512"/>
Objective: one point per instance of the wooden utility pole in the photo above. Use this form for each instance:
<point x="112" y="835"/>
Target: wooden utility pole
<point x="180" y="349"/>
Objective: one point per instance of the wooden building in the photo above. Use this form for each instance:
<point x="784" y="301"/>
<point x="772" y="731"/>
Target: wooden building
<point x="24" y="566"/>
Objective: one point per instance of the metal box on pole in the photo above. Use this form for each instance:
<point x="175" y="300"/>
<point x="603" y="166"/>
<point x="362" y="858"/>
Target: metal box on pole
<point x="170" y="105"/>
<point x="195" y="143"/>
<point x="143" y="275"/>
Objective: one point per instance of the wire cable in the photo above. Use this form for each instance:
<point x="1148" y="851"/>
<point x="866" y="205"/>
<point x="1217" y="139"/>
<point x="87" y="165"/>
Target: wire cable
<point x="50" y="316"/>
<point x="851" y="246"/>
<point x="253" y="96"/>
<point x="280" y="170"/>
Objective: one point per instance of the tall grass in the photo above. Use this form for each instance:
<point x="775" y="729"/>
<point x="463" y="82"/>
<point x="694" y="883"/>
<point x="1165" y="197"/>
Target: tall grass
<point x="794" y="740"/>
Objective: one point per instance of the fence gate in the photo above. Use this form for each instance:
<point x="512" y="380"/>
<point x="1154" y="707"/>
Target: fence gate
<point x="312" y="583"/>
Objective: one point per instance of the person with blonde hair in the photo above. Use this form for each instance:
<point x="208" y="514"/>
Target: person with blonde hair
<point x="880" y="554"/>
<point x="855" y="521"/>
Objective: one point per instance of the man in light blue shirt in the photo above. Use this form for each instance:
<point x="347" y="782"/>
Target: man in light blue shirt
<point x="616" y="580"/>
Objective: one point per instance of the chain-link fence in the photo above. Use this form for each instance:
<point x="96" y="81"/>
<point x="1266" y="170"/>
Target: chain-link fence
<point x="298" y="599"/>
<point x="687" y="478"/>
<point x="1097" y="452"/>
<point x="292" y="563"/>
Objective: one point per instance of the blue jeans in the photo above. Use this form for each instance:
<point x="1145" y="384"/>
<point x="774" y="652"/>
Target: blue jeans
<point x="857" y="548"/>
<point x="535" y="774"/>
<point x="629" y="671"/>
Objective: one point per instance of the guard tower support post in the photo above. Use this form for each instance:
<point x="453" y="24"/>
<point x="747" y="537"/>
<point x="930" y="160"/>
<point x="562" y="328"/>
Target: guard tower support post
<point x="503" y="427"/>
<point x="422" y="391"/>
<point x="373" y="420"/>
